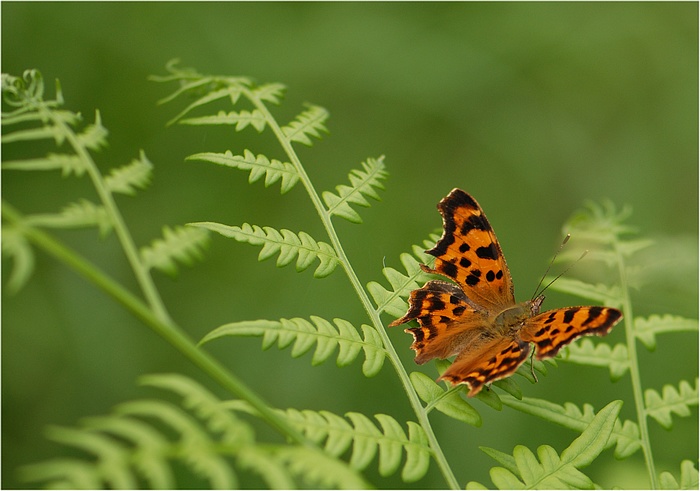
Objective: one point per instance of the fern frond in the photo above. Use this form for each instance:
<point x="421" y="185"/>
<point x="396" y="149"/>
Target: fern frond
<point x="671" y="400"/>
<point x="241" y="119"/>
<point x="259" y="166"/>
<point x="68" y="164"/>
<point x="365" y="438"/>
<point x="128" y="178"/>
<point x="549" y="470"/>
<point x="392" y="301"/>
<point x="600" y="223"/>
<point x="608" y="295"/>
<point x="585" y="352"/>
<point x="84" y="213"/>
<point x="305" y="335"/>
<point x="309" y="123"/>
<point x="16" y="247"/>
<point x="319" y="469"/>
<point x="625" y="435"/>
<point x="269" y="92"/>
<point x="285" y="242"/>
<point x="448" y="402"/>
<point x="231" y="92"/>
<point x="363" y="182"/>
<point x="646" y="329"/>
<point x="179" y="244"/>
<point x="93" y="136"/>
<point x="689" y="477"/>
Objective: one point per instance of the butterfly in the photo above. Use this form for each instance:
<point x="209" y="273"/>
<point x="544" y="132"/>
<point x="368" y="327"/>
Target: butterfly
<point x="476" y="316"/>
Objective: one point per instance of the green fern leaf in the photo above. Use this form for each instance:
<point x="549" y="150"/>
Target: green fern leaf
<point x="319" y="469"/>
<point x="16" y="247"/>
<point x="392" y="301"/>
<point x="366" y="438"/>
<point x="269" y="92"/>
<point x="304" y="335"/>
<point x="127" y="179"/>
<point x="179" y="244"/>
<point x="608" y="295"/>
<point x="285" y="242"/>
<point x="201" y="453"/>
<point x="241" y="120"/>
<point x="68" y="164"/>
<point x="625" y="435"/>
<point x="363" y="182"/>
<point x="267" y="466"/>
<point x="94" y="136"/>
<point x="447" y="402"/>
<point x="62" y="474"/>
<point x="309" y="123"/>
<point x="75" y="215"/>
<point x="585" y="352"/>
<point x="646" y="329"/>
<point x="259" y="166"/>
<point x="149" y="447"/>
<point x="689" y="477"/>
<point x="671" y="400"/>
<point x="548" y="470"/>
<point x="231" y="92"/>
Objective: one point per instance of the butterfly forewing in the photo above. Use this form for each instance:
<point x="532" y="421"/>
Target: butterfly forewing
<point x="469" y="253"/>
<point x="441" y="309"/>
<point x="554" y="329"/>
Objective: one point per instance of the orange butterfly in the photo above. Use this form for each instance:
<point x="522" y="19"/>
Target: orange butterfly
<point x="477" y="318"/>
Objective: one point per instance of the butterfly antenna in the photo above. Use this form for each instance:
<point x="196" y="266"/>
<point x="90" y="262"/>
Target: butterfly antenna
<point x="564" y="272"/>
<point x="561" y="246"/>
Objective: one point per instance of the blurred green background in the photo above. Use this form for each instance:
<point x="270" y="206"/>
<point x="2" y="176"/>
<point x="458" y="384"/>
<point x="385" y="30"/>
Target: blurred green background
<point x="531" y="107"/>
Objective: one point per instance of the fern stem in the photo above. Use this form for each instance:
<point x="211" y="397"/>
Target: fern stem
<point x="634" y="371"/>
<point x="325" y="217"/>
<point x="142" y="275"/>
<point x="167" y="329"/>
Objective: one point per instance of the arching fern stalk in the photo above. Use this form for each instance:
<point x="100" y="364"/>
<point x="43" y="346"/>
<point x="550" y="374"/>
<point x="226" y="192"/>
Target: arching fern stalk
<point x="32" y="118"/>
<point x="298" y="247"/>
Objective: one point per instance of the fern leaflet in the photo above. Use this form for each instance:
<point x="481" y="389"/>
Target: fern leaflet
<point x="689" y="477"/>
<point x="68" y="164"/>
<point x="15" y="246"/>
<point x="447" y="402"/>
<point x="625" y="435"/>
<point x="646" y="328"/>
<point x="179" y="244"/>
<point x="239" y="119"/>
<point x="305" y="334"/>
<point x="309" y="123"/>
<point x="549" y="470"/>
<point x="585" y="352"/>
<point x="392" y="301"/>
<point x="84" y="213"/>
<point x="671" y="400"/>
<point x="259" y="166"/>
<point x="128" y="178"/>
<point x="285" y="242"/>
<point x="363" y="183"/>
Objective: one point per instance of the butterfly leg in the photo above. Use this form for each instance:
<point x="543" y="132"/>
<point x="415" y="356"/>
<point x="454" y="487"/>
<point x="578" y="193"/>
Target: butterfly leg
<point x="532" y="366"/>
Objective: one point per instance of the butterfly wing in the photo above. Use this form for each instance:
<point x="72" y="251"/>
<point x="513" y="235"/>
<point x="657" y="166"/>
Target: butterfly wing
<point x="448" y="321"/>
<point x="469" y="253"/>
<point x="496" y="359"/>
<point x="554" y="329"/>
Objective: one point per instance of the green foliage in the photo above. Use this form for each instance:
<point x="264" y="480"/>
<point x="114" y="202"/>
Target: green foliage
<point x="549" y="470"/>
<point x="304" y="335"/>
<point x="142" y="442"/>
<point x="148" y="443"/>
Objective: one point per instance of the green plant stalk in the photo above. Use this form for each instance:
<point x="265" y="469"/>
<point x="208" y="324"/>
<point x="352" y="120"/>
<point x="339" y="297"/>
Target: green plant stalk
<point x="142" y="274"/>
<point x="414" y="400"/>
<point x="635" y="376"/>
<point x="168" y="330"/>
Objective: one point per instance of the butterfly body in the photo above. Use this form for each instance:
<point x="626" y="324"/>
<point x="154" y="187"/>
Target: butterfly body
<point x="477" y="317"/>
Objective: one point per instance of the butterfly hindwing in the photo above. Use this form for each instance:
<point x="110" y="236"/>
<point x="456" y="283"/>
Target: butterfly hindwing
<point x="494" y="361"/>
<point x="445" y="317"/>
<point x="554" y="329"/>
<point x="469" y="253"/>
